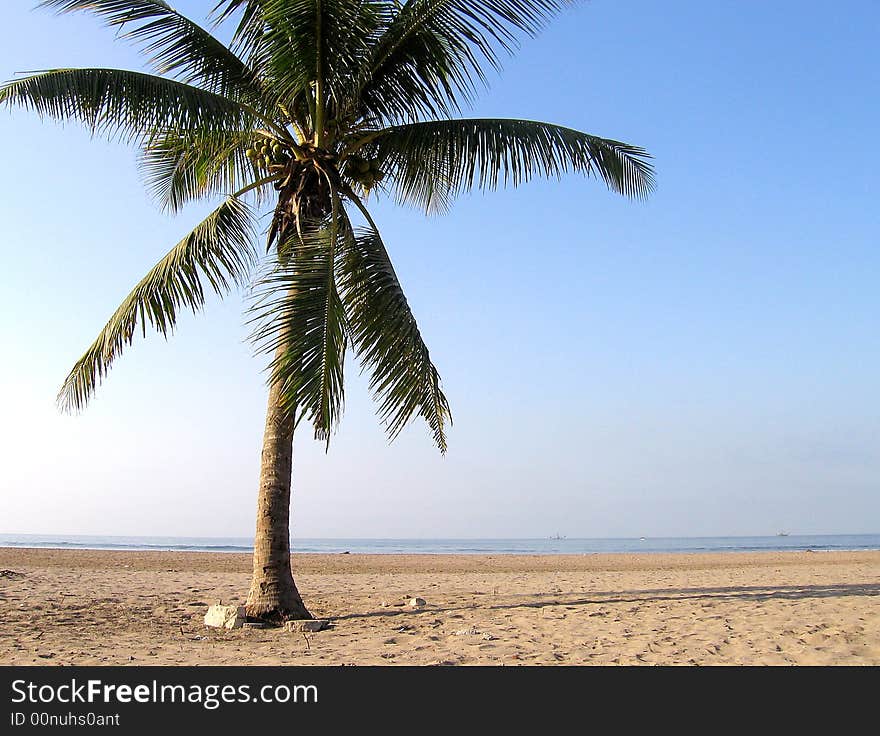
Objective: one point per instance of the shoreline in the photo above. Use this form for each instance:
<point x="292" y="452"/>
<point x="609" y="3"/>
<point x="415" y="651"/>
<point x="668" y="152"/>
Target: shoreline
<point x="727" y="608"/>
<point x="352" y="562"/>
<point x="166" y="550"/>
<point x="469" y="546"/>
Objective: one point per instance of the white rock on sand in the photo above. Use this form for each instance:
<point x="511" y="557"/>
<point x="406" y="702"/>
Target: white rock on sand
<point x="225" y="617"/>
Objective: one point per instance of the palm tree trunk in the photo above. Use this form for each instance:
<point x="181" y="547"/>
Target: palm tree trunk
<point x="273" y="595"/>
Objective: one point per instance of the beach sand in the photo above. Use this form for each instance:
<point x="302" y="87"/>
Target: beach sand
<point x="146" y="608"/>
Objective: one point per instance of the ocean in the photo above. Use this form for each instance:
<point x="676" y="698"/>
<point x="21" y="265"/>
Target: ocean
<point x="545" y="546"/>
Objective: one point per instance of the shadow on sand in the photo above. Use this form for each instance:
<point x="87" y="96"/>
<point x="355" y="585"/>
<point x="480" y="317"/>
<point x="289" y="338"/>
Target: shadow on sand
<point x="743" y="593"/>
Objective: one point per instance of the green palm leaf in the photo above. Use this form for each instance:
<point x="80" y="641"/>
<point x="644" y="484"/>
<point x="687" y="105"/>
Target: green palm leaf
<point x="218" y="251"/>
<point x="174" y="44"/>
<point x="307" y="50"/>
<point x="129" y="105"/>
<point x="180" y="166"/>
<point x="299" y="319"/>
<point x="430" y="163"/>
<point x="386" y="337"/>
<point x="430" y="57"/>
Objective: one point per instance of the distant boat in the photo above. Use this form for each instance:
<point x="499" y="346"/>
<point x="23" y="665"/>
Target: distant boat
<point x="781" y="534"/>
<point x="557" y="537"/>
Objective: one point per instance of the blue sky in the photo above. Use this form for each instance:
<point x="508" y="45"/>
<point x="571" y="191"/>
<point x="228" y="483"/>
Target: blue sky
<point x="703" y="363"/>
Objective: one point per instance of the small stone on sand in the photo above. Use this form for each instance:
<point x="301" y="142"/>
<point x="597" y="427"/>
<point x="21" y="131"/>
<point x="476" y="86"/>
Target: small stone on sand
<point x="470" y="631"/>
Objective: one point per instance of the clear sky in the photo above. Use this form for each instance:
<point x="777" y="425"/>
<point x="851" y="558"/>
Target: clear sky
<point x="703" y="363"/>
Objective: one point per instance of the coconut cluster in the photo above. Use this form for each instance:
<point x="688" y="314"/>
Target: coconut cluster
<point x="266" y="154"/>
<point x="365" y="172"/>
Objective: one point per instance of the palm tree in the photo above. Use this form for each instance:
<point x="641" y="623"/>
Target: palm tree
<point x="312" y="106"/>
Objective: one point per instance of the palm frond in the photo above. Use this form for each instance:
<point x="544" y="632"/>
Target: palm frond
<point x="295" y="43"/>
<point x="180" y="166"/>
<point x="218" y="253"/>
<point x="386" y="338"/>
<point x="127" y="105"/>
<point x="431" y="56"/>
<point x="430" y="163"/>
<point x="299" y="319"/>
<point x="174" y="44"/>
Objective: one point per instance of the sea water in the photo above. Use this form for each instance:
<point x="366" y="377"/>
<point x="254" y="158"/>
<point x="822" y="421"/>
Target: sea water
<point x="549" y="545"/>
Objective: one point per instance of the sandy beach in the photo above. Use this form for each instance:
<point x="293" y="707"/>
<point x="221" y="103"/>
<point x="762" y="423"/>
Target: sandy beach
<point x="61" y="607"/>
